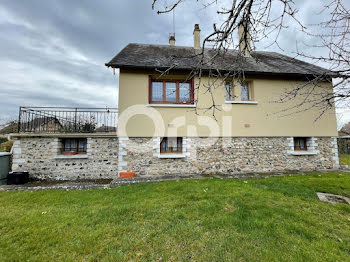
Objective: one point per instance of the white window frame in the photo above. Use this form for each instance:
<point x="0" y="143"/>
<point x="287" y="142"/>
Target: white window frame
<point x="229" y="91"/>
<point x="230" y="95"/>
<point x="185" y="153"/>
<point x="311" y="143"/>
<point x="245" y="86"/>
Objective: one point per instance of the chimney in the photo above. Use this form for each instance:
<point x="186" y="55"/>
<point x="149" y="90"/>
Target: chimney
<point x="196" y="37"/>
<point x="243" y="48"/>
<point x="172" y="39"/>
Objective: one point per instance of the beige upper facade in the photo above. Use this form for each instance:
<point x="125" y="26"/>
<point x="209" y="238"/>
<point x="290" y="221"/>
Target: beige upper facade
<point x="258" y="117"/>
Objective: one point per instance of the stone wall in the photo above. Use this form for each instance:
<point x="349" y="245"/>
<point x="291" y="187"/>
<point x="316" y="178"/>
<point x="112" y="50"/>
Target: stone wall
<point x="41" y="157"/>
<point x="229" y="155"/>
<point x="244" y="155"/>
<point x="107" y="156"/>
<point x="142" y="156"/>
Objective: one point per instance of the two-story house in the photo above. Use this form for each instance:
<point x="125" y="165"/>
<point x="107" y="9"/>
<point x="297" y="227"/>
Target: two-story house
<point x="245" y="137"/>
<point x="168" y="124"/>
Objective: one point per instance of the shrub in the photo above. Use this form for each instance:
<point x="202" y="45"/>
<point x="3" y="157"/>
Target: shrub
<point x="6" y="146"/>
<point x="3" y="140"/>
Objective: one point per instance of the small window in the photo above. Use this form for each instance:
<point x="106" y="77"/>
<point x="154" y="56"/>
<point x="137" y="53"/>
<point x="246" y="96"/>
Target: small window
<point x="72" y="146"/>
<point x="229" y="91"/>
<point x="245" y="96"/>
<point x="171" y="145"/>
<point x="300" y="143"/>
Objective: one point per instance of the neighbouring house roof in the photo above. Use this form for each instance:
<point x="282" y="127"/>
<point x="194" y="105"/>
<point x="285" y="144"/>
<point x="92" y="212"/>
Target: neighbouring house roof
<point x="346" y="128"/>
<point x="40" y="121"/>
<point x="10" y="128"/>
<point x="144" y="56"/>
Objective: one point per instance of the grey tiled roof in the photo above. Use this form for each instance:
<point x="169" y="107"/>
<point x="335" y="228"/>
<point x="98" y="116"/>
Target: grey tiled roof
<point x="184" y="58"/>
<point x="346" y="128"/>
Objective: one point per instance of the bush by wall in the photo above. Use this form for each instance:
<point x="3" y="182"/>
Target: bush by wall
<point x="6" y="146"/>
<point x="3" y="140"/>
<point x="344" y="145"/>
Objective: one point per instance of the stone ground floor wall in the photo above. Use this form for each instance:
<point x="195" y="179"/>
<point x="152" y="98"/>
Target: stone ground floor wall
<point x="228" y="155"/>
<point x="41" y="157"/>
<point x="107" y="156"/>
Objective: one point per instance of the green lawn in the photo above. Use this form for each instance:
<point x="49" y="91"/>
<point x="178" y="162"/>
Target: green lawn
<point x="268" y="219"/>
<point x="344" y="159"/>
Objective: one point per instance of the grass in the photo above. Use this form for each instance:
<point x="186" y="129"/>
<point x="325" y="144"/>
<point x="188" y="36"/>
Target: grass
<point x="344" y="159"/>
<point x="268" y="219"/>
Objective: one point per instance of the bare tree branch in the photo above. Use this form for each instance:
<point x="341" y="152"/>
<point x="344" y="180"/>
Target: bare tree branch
<point x="257" y="22"/>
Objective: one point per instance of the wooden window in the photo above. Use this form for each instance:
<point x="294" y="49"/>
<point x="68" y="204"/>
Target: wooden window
<point x="171" y="145"/>
<point x="171" y="91"/>
<point x="300" y="143"/>
<point x="72" y="146"/>
<point x="245" y="94"/>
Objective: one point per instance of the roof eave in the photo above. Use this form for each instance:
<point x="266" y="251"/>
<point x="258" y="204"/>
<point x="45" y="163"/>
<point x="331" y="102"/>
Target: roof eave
<point x="326" y="77"/>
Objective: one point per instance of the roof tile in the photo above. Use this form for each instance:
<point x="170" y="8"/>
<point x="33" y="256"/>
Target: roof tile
<point x="186" y="58"/>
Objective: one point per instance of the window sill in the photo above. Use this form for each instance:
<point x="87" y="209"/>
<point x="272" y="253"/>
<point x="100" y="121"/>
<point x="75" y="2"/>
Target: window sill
<point x="172" y="155"/>
<point x="303" y="153"/>
<point x="78" y="156"/>
<point x="242" y="102"/>
<point x="173" y="105"/>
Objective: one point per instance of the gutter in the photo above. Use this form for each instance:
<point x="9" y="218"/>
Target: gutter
<point x="324" y="78"/>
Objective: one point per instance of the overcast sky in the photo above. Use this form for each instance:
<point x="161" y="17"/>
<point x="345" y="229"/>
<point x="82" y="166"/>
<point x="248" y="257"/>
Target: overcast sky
<point x="52" y="52"/>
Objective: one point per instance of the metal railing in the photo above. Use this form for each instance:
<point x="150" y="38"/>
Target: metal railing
<point x="67" y="120"/>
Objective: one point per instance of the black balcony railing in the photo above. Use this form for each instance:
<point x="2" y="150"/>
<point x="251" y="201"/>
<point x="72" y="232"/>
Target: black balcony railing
<point x="67" y="120"/>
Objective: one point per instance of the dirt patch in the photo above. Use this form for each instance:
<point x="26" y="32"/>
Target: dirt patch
<point x="35" y="183"/>
<point x="60" y="185"/>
